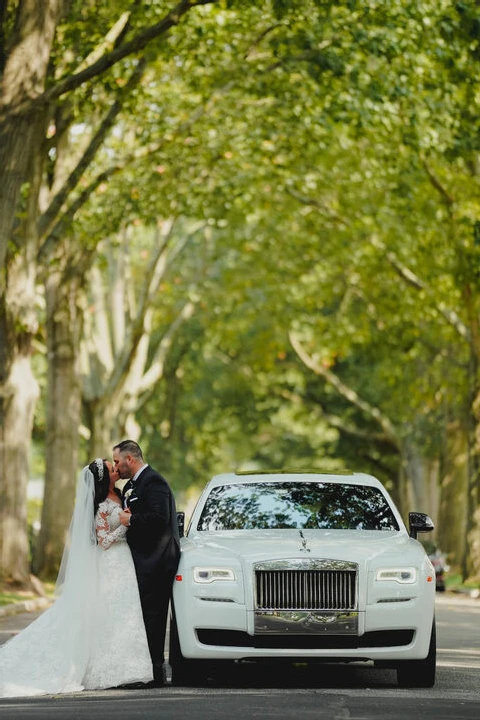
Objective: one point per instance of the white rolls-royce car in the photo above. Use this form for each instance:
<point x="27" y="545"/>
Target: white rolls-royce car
<point x="305" y="567"/>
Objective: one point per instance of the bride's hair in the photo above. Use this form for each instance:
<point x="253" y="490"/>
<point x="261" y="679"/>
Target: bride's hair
<point x="102" y="483"/>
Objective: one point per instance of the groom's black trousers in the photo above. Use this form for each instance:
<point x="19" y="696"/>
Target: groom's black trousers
<point x="155" y="594"/>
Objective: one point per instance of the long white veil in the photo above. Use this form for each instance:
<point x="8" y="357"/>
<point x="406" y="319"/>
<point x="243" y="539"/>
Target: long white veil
<point x="79" y="555"/>
<point x="51" y="654"/>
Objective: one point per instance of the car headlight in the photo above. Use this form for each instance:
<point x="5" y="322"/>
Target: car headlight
<point x="404" y="575"/>
<point x="210" y="574"/>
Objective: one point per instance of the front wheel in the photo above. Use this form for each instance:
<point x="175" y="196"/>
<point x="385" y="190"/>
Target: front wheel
<point x="419" y="673"/>
<point x="184" y="672"/>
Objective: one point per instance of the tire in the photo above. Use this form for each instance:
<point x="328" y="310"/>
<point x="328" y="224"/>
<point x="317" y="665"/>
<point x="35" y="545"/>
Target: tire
<point x="419" y="673"/>
<point x="185" y="673"/>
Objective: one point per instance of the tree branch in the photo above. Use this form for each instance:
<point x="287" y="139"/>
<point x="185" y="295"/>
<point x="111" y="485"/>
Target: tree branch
<point x="111" y="40"/>
<point x="56" y="232"/>
<point x="254" y="44"/>
<point x="343" y="390"/>
<point x="449" y="200"/>
<point x="133" y="356"/>
<point x="155" y="371"/>
<point x="321" y="207"/>
<point x="59" y="229"/>
<point x="72" y="181"/>
<point x="122" y="51"/>
<point x="402" y="270"/>
<point x="339" y="422"/>
<point x="109" y="59"/>
<point x="411" y="279"/>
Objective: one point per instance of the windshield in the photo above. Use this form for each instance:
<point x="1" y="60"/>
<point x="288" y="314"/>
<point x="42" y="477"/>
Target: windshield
<point x="293" y="505"/>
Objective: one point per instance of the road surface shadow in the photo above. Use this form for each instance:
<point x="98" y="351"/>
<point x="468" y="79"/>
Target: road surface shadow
<point x="267" y="674"/>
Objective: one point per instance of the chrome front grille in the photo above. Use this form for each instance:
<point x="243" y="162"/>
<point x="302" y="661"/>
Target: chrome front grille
<point x="310" y="589"/>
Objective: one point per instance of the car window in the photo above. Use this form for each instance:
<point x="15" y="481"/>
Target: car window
<point x="267" y="506"/>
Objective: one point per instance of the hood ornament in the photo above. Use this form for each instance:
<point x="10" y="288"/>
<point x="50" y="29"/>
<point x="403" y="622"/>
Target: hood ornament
<point x="304" y="547"/>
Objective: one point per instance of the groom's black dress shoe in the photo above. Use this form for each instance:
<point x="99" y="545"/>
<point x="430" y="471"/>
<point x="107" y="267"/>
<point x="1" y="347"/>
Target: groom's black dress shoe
<point x="159" y="676"/>
<point x="157" y="682"/>
<point x="143" y="686"/>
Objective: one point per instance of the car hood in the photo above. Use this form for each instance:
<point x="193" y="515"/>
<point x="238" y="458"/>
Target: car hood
<point x="257" y="545"/>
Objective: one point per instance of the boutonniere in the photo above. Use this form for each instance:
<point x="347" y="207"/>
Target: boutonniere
<point x="126" y="497"/>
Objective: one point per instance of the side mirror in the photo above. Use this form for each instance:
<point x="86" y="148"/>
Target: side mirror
<point x="419" y="522"/>
<point x="181" y="523"/>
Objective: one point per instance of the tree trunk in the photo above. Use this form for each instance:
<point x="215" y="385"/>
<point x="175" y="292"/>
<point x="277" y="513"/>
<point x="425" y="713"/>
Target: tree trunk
<point x="423" y="473"/>
<point x="471" y="563"/>
<point x="64" y="322"/>
<point x="454" y="481"/>
<point x="474" y="546"/>
<point x="22" y="120"/>
<point x="471" y="297"/>
<point x="472" y="490"/>
<point x="20" y="394"/>
<point x="105" y="426"/>
<point x="23" y="82"/>
<point x="402" y="493"/>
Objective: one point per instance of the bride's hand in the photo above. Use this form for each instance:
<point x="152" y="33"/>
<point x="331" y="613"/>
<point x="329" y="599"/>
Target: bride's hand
<point x="125" y="516"/>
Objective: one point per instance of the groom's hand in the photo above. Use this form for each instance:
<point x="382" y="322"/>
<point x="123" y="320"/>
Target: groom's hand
<point x="125" y="516"/>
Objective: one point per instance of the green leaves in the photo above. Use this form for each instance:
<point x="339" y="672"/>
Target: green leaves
<point x="329" y="150"/>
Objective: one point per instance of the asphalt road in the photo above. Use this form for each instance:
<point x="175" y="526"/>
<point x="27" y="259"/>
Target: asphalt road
<point x="336" y="692"/>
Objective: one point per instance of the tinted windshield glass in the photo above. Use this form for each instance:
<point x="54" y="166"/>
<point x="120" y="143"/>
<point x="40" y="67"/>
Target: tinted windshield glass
<point x="263" y="506"/>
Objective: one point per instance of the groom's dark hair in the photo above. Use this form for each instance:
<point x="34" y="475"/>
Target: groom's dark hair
<point x="130" y="447"/>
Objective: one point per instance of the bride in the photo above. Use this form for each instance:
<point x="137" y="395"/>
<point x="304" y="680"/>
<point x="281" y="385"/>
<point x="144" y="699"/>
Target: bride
<point x="93" y="636"/>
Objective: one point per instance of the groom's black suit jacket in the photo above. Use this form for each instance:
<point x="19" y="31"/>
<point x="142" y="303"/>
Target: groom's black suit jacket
<point x="153" y="533"/>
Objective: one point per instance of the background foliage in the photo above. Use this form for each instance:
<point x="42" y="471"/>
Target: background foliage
<point x="272" y="209"/>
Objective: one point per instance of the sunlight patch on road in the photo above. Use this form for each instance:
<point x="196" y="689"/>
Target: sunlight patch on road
<point x="458" y="651"/>
<point x="460" y="658"/>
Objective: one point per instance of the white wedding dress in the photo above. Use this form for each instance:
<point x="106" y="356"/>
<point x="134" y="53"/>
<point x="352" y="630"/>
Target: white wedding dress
<point x="93" y="636"/>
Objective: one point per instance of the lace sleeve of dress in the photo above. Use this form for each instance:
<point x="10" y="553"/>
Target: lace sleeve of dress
<point x="105" y="536"/>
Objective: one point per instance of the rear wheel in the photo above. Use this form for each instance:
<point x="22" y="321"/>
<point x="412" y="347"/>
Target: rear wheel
<point x="419" y="673"/>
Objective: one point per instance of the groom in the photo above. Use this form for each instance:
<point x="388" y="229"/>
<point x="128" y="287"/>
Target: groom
<point x="151" y="518"/>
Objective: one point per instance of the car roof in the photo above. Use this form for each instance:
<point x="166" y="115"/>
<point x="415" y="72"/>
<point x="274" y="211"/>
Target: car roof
<point x="346" y="477"/>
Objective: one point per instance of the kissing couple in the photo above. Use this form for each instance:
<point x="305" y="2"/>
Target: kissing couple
<point x="107" y="626"/>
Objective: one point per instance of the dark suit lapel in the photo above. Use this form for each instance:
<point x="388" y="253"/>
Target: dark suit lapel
<point x="136" y="491"/>
<point x="142" y="475"/>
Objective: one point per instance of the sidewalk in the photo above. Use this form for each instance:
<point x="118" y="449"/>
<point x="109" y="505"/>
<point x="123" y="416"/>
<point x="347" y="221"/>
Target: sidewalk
<point x="30" y="605"/>
<point x="14" y="618"/>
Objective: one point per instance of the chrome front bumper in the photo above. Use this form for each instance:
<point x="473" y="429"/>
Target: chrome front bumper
<point x="306" y="622"/>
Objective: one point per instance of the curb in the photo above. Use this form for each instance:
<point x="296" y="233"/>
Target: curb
<point x="25" y="606"/>
<point x="460" y="599"/>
